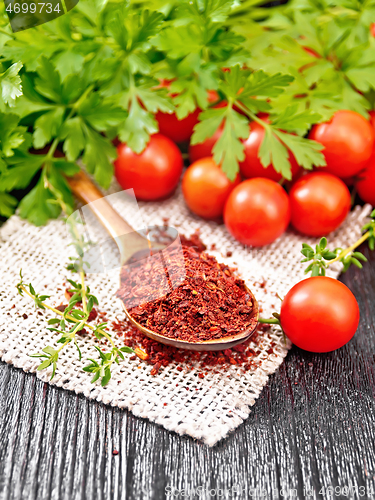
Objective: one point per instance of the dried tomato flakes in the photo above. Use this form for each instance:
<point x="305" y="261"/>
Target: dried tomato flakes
<point x="212" y="306"/>
<point x="160" y="355"/>
<point x="211" y="302"/>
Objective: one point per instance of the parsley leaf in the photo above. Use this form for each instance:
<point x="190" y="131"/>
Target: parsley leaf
<point x="74" y="138"/>
<point x="10" y="84"/>
<point x="138" y="127"/>
<point x="7" y="204"/>
<point x="11" y="135"/>
<point x="37" y="206"/>
<point x="229" y="150"/>
<point x="293" y="120"/>
<point x="307" y="152"/>
<point x="272" y="151"/>
<point x="98" y="156"/>
<point x="47" y="126"/>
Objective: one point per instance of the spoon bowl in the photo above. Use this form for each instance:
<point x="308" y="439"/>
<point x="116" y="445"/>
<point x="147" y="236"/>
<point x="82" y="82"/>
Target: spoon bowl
<point x="133" y="247"/>
<point x="207" y="345"/>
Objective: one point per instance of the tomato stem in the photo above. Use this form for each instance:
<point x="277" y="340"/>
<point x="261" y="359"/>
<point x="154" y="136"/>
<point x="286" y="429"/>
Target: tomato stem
<point x="269" y="321"/>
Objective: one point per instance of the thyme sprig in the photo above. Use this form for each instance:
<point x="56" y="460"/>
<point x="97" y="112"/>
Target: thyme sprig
<point x="79" y="320"/>
<point x="103" y="369"/>
<point x="73" y="320"/>
<point x="321" y="258"/>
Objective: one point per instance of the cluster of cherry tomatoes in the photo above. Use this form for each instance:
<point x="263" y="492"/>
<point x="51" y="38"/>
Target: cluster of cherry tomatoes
<point x="255" y="207"/>
<point x="318" y="314"/>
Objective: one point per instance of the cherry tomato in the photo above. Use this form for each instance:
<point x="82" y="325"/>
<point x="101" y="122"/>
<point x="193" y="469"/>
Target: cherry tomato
<point x="204" y="149"/>
<point x="372" y="29"/>
<point x="257" y="212"/>
<point x="366" y="183"/>
<point x="319" y="314"/>
<point x="175" y="129"/>
<point x="251" y="166"/>
<point x="348" y="139"/>
<point x="154" y="173"/>
<point x="319" y="203"/>
<point x="206" y="188"/>
<point x="372" y="115"/>
<point x="180" y="130"/>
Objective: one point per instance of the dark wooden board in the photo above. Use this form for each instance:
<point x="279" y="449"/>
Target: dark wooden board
<point x="313" y="427"/>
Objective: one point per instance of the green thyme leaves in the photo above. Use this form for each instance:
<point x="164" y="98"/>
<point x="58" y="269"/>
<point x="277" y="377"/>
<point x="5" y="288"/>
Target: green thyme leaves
<point x="321" y="257"/>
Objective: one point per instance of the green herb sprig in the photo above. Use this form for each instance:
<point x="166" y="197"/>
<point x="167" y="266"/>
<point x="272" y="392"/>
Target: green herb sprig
<point x="73" y="320"/>
<point x="321" y="258"/>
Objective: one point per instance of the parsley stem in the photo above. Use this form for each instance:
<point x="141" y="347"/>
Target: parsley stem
<point x="52" y="149"/>
<point x="56" y="311"/>
<point x="4" y="32"/>
<point x="79" y="101"/>
<point x="251" y="115"/>
<point x="350" y="249"/>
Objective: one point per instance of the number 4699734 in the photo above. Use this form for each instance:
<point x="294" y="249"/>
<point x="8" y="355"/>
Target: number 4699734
<point x="47" y="8"/>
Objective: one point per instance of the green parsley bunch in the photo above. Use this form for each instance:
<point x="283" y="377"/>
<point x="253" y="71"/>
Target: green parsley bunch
<point x="326" y="45"/>
<point x="94" y="74"/>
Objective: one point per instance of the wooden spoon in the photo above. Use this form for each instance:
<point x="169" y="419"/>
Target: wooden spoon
<point x="131" y="245"/>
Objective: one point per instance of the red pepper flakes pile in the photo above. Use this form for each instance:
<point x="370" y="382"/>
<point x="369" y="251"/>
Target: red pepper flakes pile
<point x="211" y="302"/>
<point x="161" y="355"/>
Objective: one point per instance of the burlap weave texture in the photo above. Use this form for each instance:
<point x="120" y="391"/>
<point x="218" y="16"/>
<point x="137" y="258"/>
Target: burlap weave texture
<point x="206" y="409"/>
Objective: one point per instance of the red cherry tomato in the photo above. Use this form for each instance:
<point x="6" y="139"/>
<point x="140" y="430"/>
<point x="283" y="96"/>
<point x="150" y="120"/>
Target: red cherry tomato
<point x="175" y="129"/>
<point x="319" y="314"/>
<point x="372" y="29"/>
<point x="154" y="173"/>
<point x="180" y="130"/>
<point x="206" y="188"/>
<point x="257" y="212"/>
<point x="204" y="149"/>
<point x="251" y="166"/>
<point x="348" y="140"/>
<point x="366" y="183"/>
<point x="372" y="115"/>
<point x="319" y="203"/>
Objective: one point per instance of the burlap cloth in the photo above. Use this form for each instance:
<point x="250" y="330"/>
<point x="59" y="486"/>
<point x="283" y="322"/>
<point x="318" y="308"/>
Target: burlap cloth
<point x="206" y="409"/>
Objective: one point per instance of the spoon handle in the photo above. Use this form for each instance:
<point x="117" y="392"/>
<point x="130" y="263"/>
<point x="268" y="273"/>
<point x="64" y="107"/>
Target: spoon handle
<point x="87" y="192"/>
<point x="126" y="238"/>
